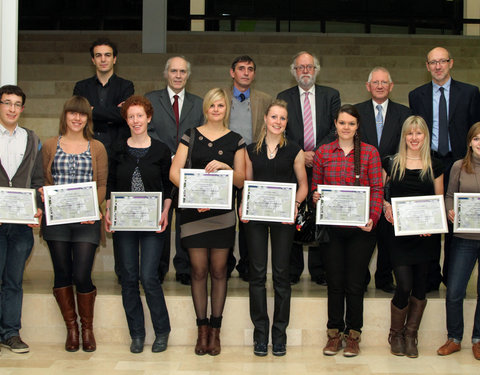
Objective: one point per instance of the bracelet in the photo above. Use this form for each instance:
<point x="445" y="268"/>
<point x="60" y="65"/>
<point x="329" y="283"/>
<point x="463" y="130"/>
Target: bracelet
<point x="299" y="203"/>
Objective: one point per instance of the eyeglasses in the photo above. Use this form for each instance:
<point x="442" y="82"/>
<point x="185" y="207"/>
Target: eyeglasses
<point x="8" y="103"/>
<point x="435" y="62"/>
<point x="378" y="83"/>
<point x="308" y="68"/>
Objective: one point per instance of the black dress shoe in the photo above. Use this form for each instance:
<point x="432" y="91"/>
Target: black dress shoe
<point x="137" y="345"/>
<point x="260" y="349"/>
<point x="279" y="350"/>
<point x="294" y="279"/>
<point x="160" y="343"/>
<point x="183" y="278"/>
<point x="387" y="288"/>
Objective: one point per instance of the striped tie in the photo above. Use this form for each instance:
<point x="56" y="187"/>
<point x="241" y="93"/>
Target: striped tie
<point x="308" y="140"/>
<point x="379" y="121"/>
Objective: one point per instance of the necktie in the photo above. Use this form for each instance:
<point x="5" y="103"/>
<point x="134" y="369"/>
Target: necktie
<point x="175" y="111"/>
<point x="242" y="97"/>
<point x="442" y="124"/>
<point x="379" y="121"/>
<point x="308" y="140"/>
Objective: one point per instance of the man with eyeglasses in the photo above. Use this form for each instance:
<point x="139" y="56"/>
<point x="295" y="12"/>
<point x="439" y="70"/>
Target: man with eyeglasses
<point x="21" y="167"/>
<point x="449" y="108"/>
<point x="106" y="93"/>
<point x="381" y="121"/>
<point x="311" y="112"/>
<point x="174" y="112"/>
<point x="248" y="106"/>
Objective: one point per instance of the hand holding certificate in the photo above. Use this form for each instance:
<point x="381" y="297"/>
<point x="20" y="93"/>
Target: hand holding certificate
<point x="135" y="211"/>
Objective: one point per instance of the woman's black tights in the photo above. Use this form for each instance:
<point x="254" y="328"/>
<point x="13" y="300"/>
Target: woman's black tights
<point x="411" y="280"/>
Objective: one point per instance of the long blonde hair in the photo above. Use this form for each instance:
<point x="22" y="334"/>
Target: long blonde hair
<point x="467" y="163"/>
<point x="400" y="159"/>
<point x="261" y="139"/>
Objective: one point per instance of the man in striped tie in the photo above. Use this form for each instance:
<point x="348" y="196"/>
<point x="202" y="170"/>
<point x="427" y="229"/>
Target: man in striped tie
<point x="311" y="111"/>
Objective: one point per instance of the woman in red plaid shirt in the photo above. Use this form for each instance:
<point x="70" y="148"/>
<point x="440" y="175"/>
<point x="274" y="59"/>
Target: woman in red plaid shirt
<point x="347" y="161"/>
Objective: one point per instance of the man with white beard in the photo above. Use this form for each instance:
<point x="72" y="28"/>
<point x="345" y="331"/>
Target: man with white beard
<point x="311" y="111"/>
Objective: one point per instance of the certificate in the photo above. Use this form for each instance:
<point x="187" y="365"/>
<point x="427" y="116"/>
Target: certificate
<point x="467" y="212"/>
<point x="419" y="215"/>
<point x="269" y="201"/>
<point x="71" y="203"/>
<point x="199" y="189"/>
<point x="135" y="211"/>
<point x="18" y="206"/>
<point x="343" y="205"/>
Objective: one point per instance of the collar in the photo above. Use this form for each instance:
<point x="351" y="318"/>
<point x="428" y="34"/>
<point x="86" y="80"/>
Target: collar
<point x="446" y="86"/>
<point x="311" y="90"/>
<point x="171" y="93"/>
<point x="108" y="82"/>
<point x="384" y="105"/>
<point x="5" y="131"/>
<point x="237" y="92"/>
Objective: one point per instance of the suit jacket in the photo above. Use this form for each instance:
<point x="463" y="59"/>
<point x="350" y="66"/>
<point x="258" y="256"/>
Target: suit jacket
<point x="392" y="127"/>
<point x="464" y="111"/>
<point x="163" y="125"/>
<point x="259" y="101"/>
<point x="106" y="116"/>
<point x="327" y="103"/>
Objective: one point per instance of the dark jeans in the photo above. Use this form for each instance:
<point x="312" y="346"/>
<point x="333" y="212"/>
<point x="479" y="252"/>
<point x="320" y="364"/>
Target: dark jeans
<point x="465" y="253"/>
<point x="281" y="236"/>
<point x="346" y="261"/>
<point x="16" y="242"/>
<point x="383" y="273"/>
<point x="242" y="265"/>
<point x="139" y="255"/>
<point x="316" y="266"/>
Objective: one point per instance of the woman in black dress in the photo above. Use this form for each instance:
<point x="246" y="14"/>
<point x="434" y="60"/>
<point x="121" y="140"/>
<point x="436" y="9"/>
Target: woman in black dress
<point x="272" y="159"/>
<point x="411" y="172"/>
<point x="208" y="233"/>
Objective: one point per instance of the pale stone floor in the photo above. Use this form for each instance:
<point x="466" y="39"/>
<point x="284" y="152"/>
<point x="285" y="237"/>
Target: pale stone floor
<point x="116" y="359"/>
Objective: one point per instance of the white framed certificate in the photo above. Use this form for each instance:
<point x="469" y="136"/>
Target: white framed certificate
<point x="135" y="211"/>
<point x="419" y="215"/>
<point x="199" y="189"/>
<point x="18" y="205"/>
<point x="269" y="201"/>
<point x="71" y="203"/>
<point x="467" y="212"/>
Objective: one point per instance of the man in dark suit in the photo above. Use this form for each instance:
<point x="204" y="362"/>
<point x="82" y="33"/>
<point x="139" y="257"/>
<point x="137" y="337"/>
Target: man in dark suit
<point x="449" y="108"/>
<point x="381" y="122"/>
<point x="318" y="105"/>
<point x="174" y="112"/>
<point x="106" y="93"/>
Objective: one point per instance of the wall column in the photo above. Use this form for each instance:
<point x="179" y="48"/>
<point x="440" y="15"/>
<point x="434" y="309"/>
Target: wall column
<point x="154" y="27"/>
<point x="471" y="9"/>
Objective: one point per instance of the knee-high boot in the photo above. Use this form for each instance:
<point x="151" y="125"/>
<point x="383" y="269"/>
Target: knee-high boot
<point x="396" y="338"/>
<point x="66" y="302"/>
<point x="414" y="317"/>
<point x="86" y="302"/>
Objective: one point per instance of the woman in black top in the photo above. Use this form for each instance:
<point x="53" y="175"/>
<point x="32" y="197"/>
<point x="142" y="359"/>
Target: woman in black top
<point x="141" y="164"/>
<point x="272" y="159"/>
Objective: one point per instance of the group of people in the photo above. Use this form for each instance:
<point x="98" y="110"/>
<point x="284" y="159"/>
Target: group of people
<point x="305" y="136"/>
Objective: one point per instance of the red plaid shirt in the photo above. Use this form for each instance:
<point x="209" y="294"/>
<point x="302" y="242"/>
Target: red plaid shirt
<point x="332" y="167"/>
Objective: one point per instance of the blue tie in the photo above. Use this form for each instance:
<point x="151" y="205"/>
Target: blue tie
<point x="379" y="121"/>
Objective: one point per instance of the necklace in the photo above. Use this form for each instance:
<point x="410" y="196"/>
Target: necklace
<point x="408" y="157"/>
<point x="271" y="153"/>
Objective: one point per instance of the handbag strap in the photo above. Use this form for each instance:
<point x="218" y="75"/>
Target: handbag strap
<point x="188" y="163"/>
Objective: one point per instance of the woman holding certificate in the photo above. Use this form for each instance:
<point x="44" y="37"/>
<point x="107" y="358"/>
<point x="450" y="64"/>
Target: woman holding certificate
<point x="465" y="248"/>
<point x="141" y="164"/>
<point x="272" y="159"/>
<point x="411" y="172"/>
<point x="75" y="157"/>
<point x="209" y="233"/>
<point x="347" y="161"/>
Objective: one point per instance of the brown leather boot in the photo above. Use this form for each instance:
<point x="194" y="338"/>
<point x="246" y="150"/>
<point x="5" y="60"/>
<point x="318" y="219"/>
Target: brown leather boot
<point x="414" y="317"/>
<point x="66" y="302"/>
<point x="202" y="340"/>
<point x="214" y="341"/>
<point x="352" y="349"/>
<point x="86" y="302"/>
<point x="396" y="338"/>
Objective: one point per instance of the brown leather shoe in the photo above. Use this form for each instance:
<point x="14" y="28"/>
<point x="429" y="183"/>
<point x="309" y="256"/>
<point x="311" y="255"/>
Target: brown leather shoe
<point x="449" y="347"/>
<point x="352" y="348"/>
<point x="334" y="343"/>
<point x="214" y="341"/>
<point x="476" y="350"/>
<point x="202" y="340"/>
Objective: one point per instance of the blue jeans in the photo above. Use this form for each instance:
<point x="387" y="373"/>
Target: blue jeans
<point x="463" y="255"/>
<point x="16" y="242"/>
<point x="139" y="257"/>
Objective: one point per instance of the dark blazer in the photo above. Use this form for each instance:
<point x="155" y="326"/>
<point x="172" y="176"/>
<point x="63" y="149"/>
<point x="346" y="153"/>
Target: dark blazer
<point x="392" y="127"/>
<point x="106" y="116"/>
<point x="327" y="103"/>
<point x="163" y="126"/>
<point x="464" y="111"/>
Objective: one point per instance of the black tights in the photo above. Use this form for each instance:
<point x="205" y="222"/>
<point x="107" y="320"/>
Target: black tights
<point x="204" y="261"/>
<point x="411" y="280"/>
<point x="72" y="264"/>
